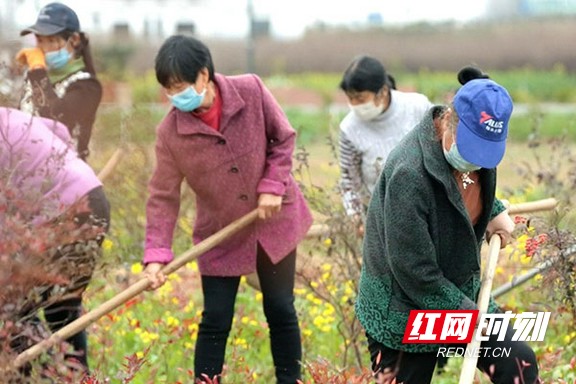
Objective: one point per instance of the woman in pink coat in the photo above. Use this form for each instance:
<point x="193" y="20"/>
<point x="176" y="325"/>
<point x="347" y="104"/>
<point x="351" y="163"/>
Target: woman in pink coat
<point x="42" y="169"/>
<point x="227" y="137"/>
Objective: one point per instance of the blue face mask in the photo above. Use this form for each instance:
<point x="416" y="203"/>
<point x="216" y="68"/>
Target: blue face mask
<point x="455" y="159"/>
<point x="58" y="59"/>
<point x="187" y="100"/>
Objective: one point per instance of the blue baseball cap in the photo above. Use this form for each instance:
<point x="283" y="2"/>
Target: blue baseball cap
<point x="484" y="109"/>
<point x="52" y="19"/>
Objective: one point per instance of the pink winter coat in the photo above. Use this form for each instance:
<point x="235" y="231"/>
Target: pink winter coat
<point x="37" y="158"/>
<point x="227" y="170"/>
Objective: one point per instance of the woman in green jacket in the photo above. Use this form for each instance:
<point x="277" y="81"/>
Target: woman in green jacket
<point x="425" y="225"/>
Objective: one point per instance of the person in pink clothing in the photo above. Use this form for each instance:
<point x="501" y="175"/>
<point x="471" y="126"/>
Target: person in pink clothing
<point x="228" y="138"/>
<point x="39" y="165"/>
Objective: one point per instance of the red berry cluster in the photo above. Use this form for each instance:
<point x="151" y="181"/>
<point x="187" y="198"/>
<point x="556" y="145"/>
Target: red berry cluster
<point x="534" y="243"/>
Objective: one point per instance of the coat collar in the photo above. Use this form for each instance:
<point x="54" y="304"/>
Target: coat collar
<point x="432" y="154"/>
<point x="232" y="103"/>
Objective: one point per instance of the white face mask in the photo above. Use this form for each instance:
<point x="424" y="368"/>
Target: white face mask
<point x="367" y="111"/>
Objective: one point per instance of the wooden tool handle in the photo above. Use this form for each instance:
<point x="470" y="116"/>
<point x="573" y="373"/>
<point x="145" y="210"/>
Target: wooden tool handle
<point x="470" y="358"/>
<point x="533" y="206"/>
<point x="111" y="164"/>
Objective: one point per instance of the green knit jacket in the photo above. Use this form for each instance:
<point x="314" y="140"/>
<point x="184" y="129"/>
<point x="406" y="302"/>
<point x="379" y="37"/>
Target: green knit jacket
<point x="420" y="248"/>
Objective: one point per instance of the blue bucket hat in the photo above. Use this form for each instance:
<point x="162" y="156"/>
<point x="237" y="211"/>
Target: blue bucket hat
<point x="484" y="108"/>
<point x="52" y="19"/>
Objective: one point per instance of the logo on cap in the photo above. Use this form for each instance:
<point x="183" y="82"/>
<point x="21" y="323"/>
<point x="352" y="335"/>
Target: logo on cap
<point x="490" y="124"/>
<point x="44" y="15"/>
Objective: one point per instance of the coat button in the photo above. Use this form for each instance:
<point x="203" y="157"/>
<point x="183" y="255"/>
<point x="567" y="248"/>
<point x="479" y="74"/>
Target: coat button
<point x="234" y="169"/>
<point x="244" y="197"/>
<point x="221" y="142"/>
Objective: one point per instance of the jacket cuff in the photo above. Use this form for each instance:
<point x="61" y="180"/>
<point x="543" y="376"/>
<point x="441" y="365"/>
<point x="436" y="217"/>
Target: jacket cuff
<point x="468" y="304"/>
<point x="271" y="186"/>
<point x="158" y="255"/>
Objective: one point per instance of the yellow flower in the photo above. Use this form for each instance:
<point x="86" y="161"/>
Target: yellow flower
<point x="148" y="337"/>
<point x="299" y="291"/>
<point x="193" y="266"/>
<point x="328" y="242"/>
<point x="139" y="354"/>
<point x="136" y="268"/>
<point x="329" y="310"/>
<point x="193" y="328"/>
<point x="318" y="321"/>
<point x="326" y="267"/>
<point x="174" y="277"/>
<point x="349" y="288"/>
<point x="259" y="296"/>
<point x="245" y="320"/>
<point x="166" y="289"/>
<point x="189" y="306"/>
<point x="171" y="321"/>
<point x="107" y="244"/>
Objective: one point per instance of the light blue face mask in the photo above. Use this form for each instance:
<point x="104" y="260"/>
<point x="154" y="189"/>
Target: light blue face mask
<point x="187" y="100"/>
<point x="58" y="59"/>
<point x="455" y="159"/>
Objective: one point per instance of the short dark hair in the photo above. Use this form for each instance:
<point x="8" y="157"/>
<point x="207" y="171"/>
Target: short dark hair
<point x="180" y="58"/>
<point x="364" y="73"/>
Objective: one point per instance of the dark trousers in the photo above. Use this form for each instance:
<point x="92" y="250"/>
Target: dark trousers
<point x="418" y="368"/>
<point x="79" y="257"/>
<point x="277" y="284"/>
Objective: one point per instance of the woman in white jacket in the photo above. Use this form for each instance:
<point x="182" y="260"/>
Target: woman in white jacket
<point x="379" y="118"/>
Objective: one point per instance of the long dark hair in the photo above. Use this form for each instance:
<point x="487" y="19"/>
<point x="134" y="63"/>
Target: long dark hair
<point x="82" y="50"/>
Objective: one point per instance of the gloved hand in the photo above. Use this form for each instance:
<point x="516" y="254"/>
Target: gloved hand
<point x="31" y="57"/>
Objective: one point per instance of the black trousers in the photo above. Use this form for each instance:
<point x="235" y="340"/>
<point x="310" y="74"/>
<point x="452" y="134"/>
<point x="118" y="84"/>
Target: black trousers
<point x="78" y="257"/>
<point x="418" y="368"/>
<point x="277" y="284"/>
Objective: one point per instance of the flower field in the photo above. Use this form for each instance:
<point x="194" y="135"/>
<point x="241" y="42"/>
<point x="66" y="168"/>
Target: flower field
<point x="151" y="338"/>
